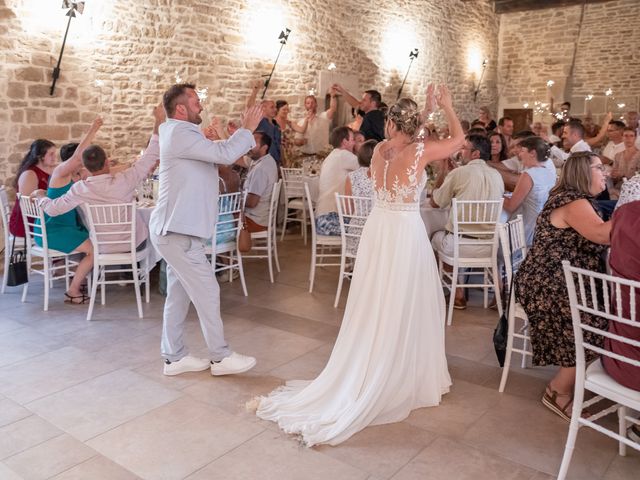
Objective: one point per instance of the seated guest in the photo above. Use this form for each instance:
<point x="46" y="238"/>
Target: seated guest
<point x="625" y="262"/>
<point x="475" y="180"/>
<point x="625" y="163"/>
<point x="360" y="184"/>
<point x="33" y="174"/>
<point x="630" y="191"/>
<point x="615" y="145"/>
<point x="573" y="136"/>
<point x="333" y="175"/>
<point x="104" y="187"/>
<point x="65" y="232"/>
<point x="358" y="140"/>
<point x="568" y="228"/>
<point x="498" y="156"/>
<point x="556" y="132"/>
<point x="532" y="189"/>
<point x="262" y="176"/>
<point x="505" y="127"/>
<point x="485" y="119"/>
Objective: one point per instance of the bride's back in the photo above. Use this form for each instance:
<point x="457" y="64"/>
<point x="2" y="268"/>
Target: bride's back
<point x="397" y="171"/>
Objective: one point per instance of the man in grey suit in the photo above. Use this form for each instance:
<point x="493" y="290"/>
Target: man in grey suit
<point x="183" y="220"/>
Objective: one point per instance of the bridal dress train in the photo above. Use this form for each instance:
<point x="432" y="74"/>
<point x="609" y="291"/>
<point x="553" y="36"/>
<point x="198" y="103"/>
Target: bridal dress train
<point x="389" y="357"/>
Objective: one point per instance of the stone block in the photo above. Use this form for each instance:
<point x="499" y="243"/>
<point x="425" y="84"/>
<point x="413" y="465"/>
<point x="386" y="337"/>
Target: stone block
<point x="17" y="116"/>
<point x="36" y="115"/>
<point x="29" y="74"/>
<point x="50" y="132"/>
<point x="42" y="91"/>
<point x="16" y="90"/>
<point x="69" y="116"/>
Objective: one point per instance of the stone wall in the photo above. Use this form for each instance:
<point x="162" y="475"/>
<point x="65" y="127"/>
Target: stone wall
<point x="121" y="55"/>
<point x="539" y="46"/>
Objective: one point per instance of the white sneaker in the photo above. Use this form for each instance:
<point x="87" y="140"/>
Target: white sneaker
<point x="186" y="364"/>
<point x="234" y="363"/>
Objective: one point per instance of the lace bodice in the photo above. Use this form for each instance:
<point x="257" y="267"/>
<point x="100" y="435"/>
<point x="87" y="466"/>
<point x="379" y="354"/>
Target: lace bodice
<point x="401" y="187"/>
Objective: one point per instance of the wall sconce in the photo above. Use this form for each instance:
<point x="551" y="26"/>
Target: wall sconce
<point x="477" y="89"/>
<point x="412" y="56"/>
<point x="73" y="7"/>
<point x="283" y="37"/>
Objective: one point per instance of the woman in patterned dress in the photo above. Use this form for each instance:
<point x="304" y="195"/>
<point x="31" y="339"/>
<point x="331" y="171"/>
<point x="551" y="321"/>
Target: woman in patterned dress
<point x="568" y="228"/>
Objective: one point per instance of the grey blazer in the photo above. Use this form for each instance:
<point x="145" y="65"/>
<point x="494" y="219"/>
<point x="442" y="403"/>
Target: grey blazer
<point x="188" y="194"/>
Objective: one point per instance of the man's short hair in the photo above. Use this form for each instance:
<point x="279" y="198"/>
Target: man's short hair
<point x="263" y="138"/>
<point x="630" y="129"/>
<point x="523" y="134"/>
<point x="576" y="127"/>
<point x="558" y="125"/>
<point x="67" y="150"/>
<point x="619" y="124"/>
<point x="375" y="97"/>
<point x="477" y="122"/>
<point x="171" y="96"/>
<point x="94" y="158"/>
<point x="504" y="119"/>
<point x="477" y="131"/>
<point x="568" y="104"/>
<point x="482" y="144"/>
<point x="339" y="134"/>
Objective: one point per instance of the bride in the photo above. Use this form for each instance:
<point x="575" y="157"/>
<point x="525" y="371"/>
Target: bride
<point x="389" y="356"/>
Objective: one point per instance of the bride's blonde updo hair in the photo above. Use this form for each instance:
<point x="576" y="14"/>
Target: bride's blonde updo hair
<point x="405" y="115"/>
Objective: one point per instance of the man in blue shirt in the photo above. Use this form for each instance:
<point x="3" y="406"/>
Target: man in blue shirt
<point x="268" y="124"/>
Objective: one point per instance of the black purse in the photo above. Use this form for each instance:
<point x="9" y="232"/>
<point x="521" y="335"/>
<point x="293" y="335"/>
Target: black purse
<point x="17" y="273"/>
<point x="501" y="332"/>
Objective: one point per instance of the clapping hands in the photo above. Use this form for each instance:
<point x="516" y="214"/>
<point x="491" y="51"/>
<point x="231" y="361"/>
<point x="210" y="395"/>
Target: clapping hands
<point x="251" y="117"/>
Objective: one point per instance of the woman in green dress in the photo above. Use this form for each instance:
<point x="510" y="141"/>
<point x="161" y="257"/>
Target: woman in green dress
<point x="66" y="233"/>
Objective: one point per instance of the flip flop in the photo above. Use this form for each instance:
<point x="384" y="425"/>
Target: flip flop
<point x="77" y="300"/>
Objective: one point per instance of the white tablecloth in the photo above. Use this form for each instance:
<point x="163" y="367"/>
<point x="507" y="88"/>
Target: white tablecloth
<point x="434" y="219"/>
<point x="153" y="255"/>
<point x="314" y="185"/>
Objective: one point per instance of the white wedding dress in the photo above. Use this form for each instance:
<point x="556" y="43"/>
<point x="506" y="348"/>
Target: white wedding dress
<point x="389" y="357"/>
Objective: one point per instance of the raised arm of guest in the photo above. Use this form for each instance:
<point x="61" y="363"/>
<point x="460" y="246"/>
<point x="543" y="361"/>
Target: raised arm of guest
<point x="61" y="176"/>
<point x="300" y="128"/>
<point x="333" y="103"/>
<point x="251" y="99"/>
<point x="351" y="100"/>
<point x="597" y="140"/>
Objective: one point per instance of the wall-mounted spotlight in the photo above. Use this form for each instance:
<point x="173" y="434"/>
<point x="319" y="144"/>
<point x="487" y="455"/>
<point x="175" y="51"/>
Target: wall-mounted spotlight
<point x="71" y="13"/>
<point x="283" y="37"/>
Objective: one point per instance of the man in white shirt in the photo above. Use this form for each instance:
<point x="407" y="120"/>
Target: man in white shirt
<point x="104" y="187"/>
<point x="314" y="128"/>
<point x="333" y="174"/>
<point x="184" y="219"/>
<point x="475" y="180"/>
<point x="615" y="145"/>
<point x="573" y="135"/>
<point x="262" y="176"/>
<point x="505" y="127"/>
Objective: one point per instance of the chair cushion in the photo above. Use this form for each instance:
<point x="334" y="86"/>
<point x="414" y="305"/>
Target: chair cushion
<point x="598" y="381"/>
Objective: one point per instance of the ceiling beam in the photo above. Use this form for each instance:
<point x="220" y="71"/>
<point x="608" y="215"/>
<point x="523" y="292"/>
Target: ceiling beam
<point x="510" y="6"/>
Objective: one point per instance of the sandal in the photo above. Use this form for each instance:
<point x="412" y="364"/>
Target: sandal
<point x="77" y="300"/>
<point x="549" y="400"/>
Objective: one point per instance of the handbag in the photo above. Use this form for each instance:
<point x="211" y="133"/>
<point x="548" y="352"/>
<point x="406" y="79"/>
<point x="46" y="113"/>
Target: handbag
<point x="244" y="238"/>
<point x="501" y="332"/>
<point x="17" y="273"/>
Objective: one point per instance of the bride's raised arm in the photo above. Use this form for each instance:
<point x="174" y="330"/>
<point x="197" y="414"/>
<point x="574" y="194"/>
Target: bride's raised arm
<point x="438" y="149"/>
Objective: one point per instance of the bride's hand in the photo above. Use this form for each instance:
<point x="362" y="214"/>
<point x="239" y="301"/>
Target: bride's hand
<point x="444" y="97"/>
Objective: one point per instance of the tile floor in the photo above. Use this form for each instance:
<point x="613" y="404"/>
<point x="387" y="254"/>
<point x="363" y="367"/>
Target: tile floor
<point x="87" y="400"/>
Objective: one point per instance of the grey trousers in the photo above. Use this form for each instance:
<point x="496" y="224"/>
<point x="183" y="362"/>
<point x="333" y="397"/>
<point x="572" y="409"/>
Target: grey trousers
<point x="190" y="279"/>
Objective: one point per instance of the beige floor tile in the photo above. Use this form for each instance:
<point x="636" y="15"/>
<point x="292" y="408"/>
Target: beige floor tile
<point x="469" y="341"/>
<point x="11" y="412"/>
<point x="153" y="370"/>
<point x="174" y="440"/>
<point x="520" y="383"/>
<point x="307" y="366"/>
<point x="97" y="468"/>
<point x="622" y="468"/>
<point x="24" y="434"/>
<point x="525" y="431"/>
<point x="273" y="456"/>
<point x="23" y="343"/>
<point x="459" y="410"/>
<point x="50" y="458"/>
<point x="131" y="352"/>
<point x="447" y="458"/>
<point x="49" y="373"/>
<point x="273" y="347"/>
<point x="381" y="450"/>
<point x="7" y="474"/>
<point x="99" y="404"/>
<point x="313" y="306"/>
<point x="470" y="371"/>
<point x="288" y="323"/>
<point x="7" y="325"/>
<point x="231" y="393"/>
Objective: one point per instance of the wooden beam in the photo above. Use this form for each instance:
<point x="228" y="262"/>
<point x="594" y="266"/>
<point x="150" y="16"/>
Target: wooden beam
<point x="511" y="6"/>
